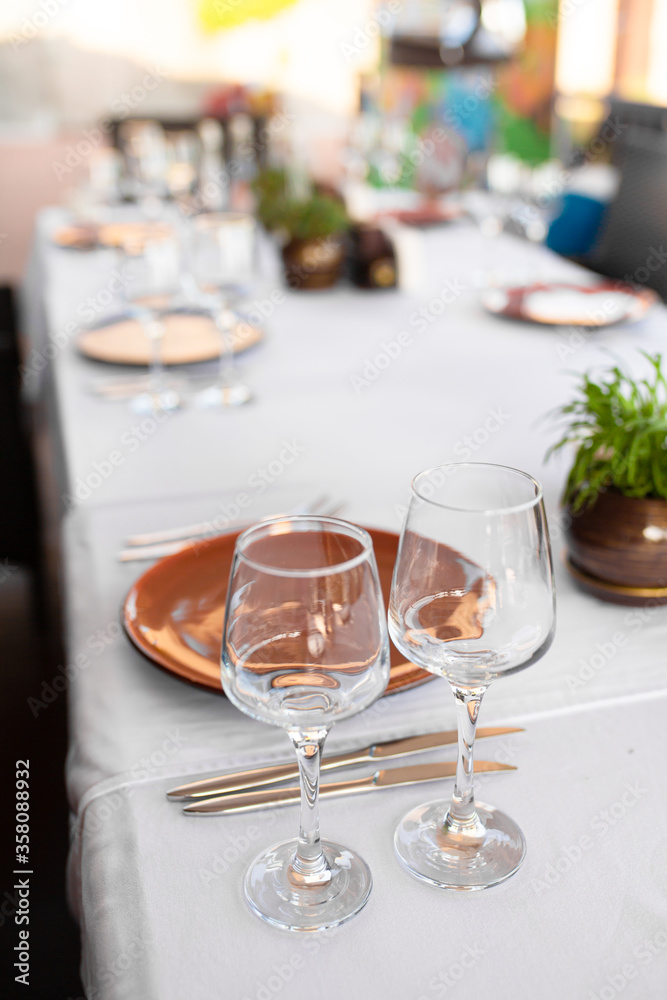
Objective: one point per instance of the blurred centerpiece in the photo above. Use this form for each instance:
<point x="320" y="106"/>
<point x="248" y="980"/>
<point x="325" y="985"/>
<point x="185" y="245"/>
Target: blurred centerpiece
<point x="309" y="223"/>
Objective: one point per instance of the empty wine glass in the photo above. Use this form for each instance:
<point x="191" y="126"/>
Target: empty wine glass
<point x="151" y="268"/>
<point x="305" y="645"/>
<point x="142" y="144"/>
<point x="223" y="265"/>
<point x="472" y="599"/>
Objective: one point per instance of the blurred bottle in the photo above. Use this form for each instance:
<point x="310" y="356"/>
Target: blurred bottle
<point x="372" y="258"/>
<point x="213" y="182"/>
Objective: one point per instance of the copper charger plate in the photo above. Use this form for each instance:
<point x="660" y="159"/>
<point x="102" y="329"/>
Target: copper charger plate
<point x="188" y="338"/>
<point x="599" y="305"/>
<point x="132" y="236"/>
<point x="76" y="237"/>
<point x="174" y="612"/>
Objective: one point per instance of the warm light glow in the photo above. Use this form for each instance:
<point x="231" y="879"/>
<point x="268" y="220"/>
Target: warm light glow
<point x="216" y="14"/>
<point x="586" y="47"/>
<point x="505" y="18"/>
<point x="313" y="49"/>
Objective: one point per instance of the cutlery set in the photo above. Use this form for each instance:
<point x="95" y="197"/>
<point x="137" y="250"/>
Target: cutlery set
<point x="243" y="791"/>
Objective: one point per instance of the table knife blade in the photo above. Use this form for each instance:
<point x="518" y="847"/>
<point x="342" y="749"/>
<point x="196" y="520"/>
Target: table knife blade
<point x="261" y="798"/>
<point x="389" y="750"/>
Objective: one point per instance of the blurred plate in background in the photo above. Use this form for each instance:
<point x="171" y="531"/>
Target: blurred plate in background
<point x="560" y="304"/>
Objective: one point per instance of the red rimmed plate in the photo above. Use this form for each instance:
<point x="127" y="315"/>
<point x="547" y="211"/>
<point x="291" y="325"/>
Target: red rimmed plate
<point x="562" y="304"/>
<point x="175" y="610"/>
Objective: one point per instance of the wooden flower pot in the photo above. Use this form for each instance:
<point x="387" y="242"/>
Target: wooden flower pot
<point x="617" y="549"/>
<point x="311" y="264"/>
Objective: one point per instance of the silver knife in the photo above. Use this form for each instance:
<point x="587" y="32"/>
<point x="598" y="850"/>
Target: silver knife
<point x="263" y="797"/>
<point x="222" y="783"/>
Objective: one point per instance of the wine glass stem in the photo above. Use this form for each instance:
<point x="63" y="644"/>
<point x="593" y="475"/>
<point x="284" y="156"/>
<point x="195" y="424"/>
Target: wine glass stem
<point x="156" y="368"/>
<point x="462" y="816"/>
<point x="225" y="324"/>
<point x="309" y="866"/>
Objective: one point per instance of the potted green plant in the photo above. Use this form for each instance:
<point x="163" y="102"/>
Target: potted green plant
<point x="616" y="491"/>
<point x="311" y="229"/>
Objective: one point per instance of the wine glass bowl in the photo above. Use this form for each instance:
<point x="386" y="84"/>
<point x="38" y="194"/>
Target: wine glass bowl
<point x="305" y="645"/>
<point x="303" y="654"/>
<point x="472" y="599"/>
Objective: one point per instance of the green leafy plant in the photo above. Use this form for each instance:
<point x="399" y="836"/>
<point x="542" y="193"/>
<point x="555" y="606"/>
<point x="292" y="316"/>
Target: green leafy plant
<point x="620" y="426"/>
<point x="314" y="217"/>
<point x="270" y="187"/>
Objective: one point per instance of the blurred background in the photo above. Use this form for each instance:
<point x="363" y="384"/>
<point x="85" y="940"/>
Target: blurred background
<point x="343" y="89"/>
<point x="534" y="116"/>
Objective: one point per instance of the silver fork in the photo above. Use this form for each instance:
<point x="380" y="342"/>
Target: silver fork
<point x="176" y="539"/>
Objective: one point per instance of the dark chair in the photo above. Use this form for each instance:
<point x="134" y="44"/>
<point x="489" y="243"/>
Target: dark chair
<point x="632" y="245"/>
<point x="19" y="517"/>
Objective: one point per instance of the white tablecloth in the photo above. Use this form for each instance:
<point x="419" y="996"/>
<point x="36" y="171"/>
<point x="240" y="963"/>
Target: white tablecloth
<point x="158" y="894"/>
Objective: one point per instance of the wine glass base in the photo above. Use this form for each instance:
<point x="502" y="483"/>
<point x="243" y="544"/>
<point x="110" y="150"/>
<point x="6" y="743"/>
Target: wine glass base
<point x="217" y="396"/>
<point x="426" y="850"/>
<point x="276" y="899"/>
<point x="163" y="401"/>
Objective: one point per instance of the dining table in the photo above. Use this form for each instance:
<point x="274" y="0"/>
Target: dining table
<point x="353" y="393"/>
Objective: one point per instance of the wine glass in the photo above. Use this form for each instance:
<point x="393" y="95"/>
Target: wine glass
<point x="150" y="264"/>
<point x="145" y="154"/>
<point x="472" y="599"/>
<point x="305" y="645"/>
<point x="223" y="264"/>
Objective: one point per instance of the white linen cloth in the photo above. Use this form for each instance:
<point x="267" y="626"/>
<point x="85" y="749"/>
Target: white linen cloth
<point x="159" y="894"/>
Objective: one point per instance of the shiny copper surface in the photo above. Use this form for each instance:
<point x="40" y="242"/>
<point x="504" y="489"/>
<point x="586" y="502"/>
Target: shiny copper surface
<point x="174" y="612"/>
